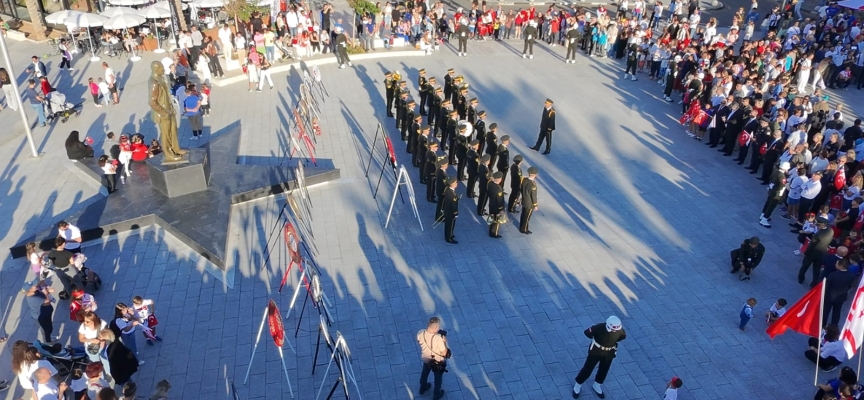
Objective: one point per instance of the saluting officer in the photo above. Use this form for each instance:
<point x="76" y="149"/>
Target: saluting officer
<point x="547" y="125"/>
<point x="450" y="210"/>
<point x="572" y="39"/>
<point x="428" y="170"/>
<point x="480" y="130"/>
<point x="472" y="162"/>
<point x="401" y="103"/>
<point x="421" y="87"/>
<point x="407" y="118"/>
<point x="390" y="89"/>
<point x="604" y="345"/>
<point x="448" y="83"/>
<point x="440" y="185"/>
<point x="496" y="203"/>
<point x="461" y="153"/>
<point x="529" y="200"/>
<point x="441" y="121"/>
<point x="530" y="33"/>
<point x="420" y="150"/>
<point x="450" y="132"/>
<point x="515" y="182"/>
<point x="483" y="183"/>
<point x="426" y="103"/>
<point x="492" y="143"/>
<point x="435" y="106"/>
<point x="472" y="110"/>
<point x="503" y="162"/>
<point x="414" y="134"/>
<point x="462" y="35"/>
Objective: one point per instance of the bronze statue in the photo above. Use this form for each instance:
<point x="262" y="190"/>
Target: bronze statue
<point x="163" y="113"/>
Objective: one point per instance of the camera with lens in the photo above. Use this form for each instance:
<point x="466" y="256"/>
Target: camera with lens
<point x="442" y="332"/>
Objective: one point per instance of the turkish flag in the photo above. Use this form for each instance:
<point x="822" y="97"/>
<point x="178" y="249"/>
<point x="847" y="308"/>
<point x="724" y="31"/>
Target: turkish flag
<point x="802" y="317"/>
<point x="275" y="322"/>
<point x="853" y="331"/>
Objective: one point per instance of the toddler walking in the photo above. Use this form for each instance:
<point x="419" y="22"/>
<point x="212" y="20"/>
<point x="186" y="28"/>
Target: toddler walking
<point x="746" y="314"/>
<point x="146" y="317"/>
<point x="205" y="99"/>
<point x="94" y="91"/>
<point x="104" y="91"/>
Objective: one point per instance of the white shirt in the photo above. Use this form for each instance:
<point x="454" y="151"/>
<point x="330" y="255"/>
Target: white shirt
<point x="91" y="334"/>
<point x="796" y="138"/>
<point x="291" y="19"/>
<point x="833" y="349"/>
<point x="71" y="232"/>
<point x="225" y="35"/>
<point x="671" y="394"/>
<point x="240" y="43"/>
<point x="109" y="77"/>
<point x="166" y="63"/>
<point x="46" y="391"/>
<point x="143" y="311"/>
<point x="777" y="312"/>
<point x="26" y="375"/>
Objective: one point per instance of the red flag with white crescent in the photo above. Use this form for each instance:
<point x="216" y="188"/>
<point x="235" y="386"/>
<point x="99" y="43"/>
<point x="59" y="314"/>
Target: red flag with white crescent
<point x="274" y="319"/>
<point x="853" y="330"/>
<point x="802" y="317"/>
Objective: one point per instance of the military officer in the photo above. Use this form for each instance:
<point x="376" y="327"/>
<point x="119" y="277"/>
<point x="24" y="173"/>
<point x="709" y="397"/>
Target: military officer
<point x="448" y="83"/>
<point x="420" y="150"/>
<point x="461" y="152"/>
<point x="341" y="42"/>
<point x="547" y="125"/>
<point x="428" y="170"/>
<point x="426" y="102"/>
<point x="414" y="133"/>
<point x="483" y="183"/>
<point x="390" y="89"/>
<point x="401" y="103"/>
<point x="480" y="130"/>
<point x="496" y="203"/>
<point x="472" y="162"/>
<point x="462" y="36"/>
<point x="450" y="210"/>
<point x="435" y="106"/>
<point x="515" y="182"/>
<point x="529" y="200"/>
<point x="503" y="162"/>
<point x="462" y="102"/>
<point x="530" y="34"/>
<point x="441" y="120"/>
<point x="457" y="87"/>
<point x="403" y="87"/>
<point x="440" y="185"/>
<point x="572" y="40"/>
<point x="604" y="345"/>
<point x="407" y="119"/>
<point x="472" y="110"/>
<point x="421" y="87"/>
<point x="450" y="132"/>
<point x="492" y="142"/>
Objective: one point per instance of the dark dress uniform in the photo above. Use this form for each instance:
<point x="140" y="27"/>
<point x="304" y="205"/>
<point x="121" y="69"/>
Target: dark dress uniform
<point x="461" y="105"/>
<point x="429" y="171"/>
<point x="434" y="109"/>
<point x="390" y="89"/>
<point x="604" y="346"/>
<point x="761" y="136"/>
<point x="483" y="184"/>
<point x="413" y="135"/>
<point x="472" y="114"/>
<point x="440" y="185"/>
<point x="492" y="146"/>
<point x="775" y="192"/>
<point x="472" y="163"/>
<point x="515" y="186"/>
<point x="715" y="133"/>
<point x="572" y="40"/>
<point x="461" y="156"/>
<point x="401" y="104"/>
<point x="769" y="159"/>
<point x="529" y="201"/>
<point x="451" y="211"/>
<point x="450" y="136"/>
<point x="734" y="123"/>
<point x="496" y="206"/>
<point x="457" y="89"/>
<point x="547" y="125"/>
<point x="423" y="87"/>
<point x="407" y="120"/>
<point x="503" y="160"/>
<point x="530" y="33"/>
<point x="441" y="124"/>
<point x="462" y="36"/>
<point x="448" y="84"/>
<point x="480" y="133"/>
<point x="419" y="153"/>
<point x="749" y="126"/>
<point x="747" y="256"/>
<point x="816" y="252"/>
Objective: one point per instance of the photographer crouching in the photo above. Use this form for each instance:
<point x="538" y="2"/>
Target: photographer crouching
<point x="434" y="353"/>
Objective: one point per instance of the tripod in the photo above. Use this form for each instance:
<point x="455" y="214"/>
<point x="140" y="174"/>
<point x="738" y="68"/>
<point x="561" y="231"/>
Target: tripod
<point x="342" y="357"/>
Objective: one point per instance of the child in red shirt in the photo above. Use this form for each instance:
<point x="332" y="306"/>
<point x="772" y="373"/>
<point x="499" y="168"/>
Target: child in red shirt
<point x="46" y="86"/>
<point x="94" y="91"/>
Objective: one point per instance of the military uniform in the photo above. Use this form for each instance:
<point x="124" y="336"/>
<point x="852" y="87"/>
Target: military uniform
<point x="435" y="107"/>
<point x="440" y="185"/>
<point x="420" y="150"/>
<point x="472" y="162"/>
<point x="457" y="88"/>
<point x="483" y="184"/>
<point x="480" y="130"/>
<point x="462" y="36"/>
<point x="407" y="119"/>
<point x="572" y="40"/>
<point x="400" y="108"/>
<point x="448" y="83"/>
<point x="515" y="183"/>
<point x="503" y="157"/>
<point x="496" y="204"/>
<point x="426" y="104"/>
<point x="472" y="111"/>
<point x="428" y="170"/>
<point x="450" y="210"/>
<point x="462" y="103"/>
<point x="529" y="200"/>
<point x="492" y="143"/>
<point x="775" y="193"/>
<point x="461" y="154"/>
<point x="450" y="133"/>
<point x="390" y="90"/>
<point x="547" y="125"/>
<point x="441" y="122"/>
<point x="530" y="33"/>
<point x="341" y="42"/>
<point x="422" y="84"/>
<point x="414" y="134"/>
<point x="604" y="346"/>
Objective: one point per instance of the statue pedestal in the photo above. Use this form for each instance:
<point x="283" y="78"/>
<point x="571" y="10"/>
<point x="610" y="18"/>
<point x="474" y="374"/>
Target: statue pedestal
<point x="180" y="178"/>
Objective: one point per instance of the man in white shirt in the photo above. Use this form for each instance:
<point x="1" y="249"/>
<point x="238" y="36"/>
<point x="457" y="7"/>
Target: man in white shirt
<point x="197" y="39"/>
<point x="111" y="80"/>
<point x="72" y="235"/>
<point x="225" y="36"/>
<point x="44" y="388"/>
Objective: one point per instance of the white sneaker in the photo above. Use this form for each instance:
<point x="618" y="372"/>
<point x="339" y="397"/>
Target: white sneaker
<point x="349" y="64"/>
<point x="797" y="252"/>
<point x="523" y="56"/>
<point x="634" y="78"/>
<point x="141" y="362"/>
<point x="576" y="389"/>
<point x="341" y="66"/>
<point x="598" y="389"/>
<point x="531" y="57"/>
<point x="626" y="75"/>
<point x="764" y="222"/>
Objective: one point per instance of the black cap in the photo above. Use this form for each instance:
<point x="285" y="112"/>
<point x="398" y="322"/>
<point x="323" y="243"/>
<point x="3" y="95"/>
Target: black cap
<point x="431" y="78"/>
<point x="550" y="101"/>
<point x="451" y="181"/>
<point x="493" y="126"/>
<point x="486" y="158"/>
<point x="425" y="128"/>
<point x="443" y="162"/>
<point x="517" y="158"/>
<point x="482" y="113"/>
<point x="432" y="143"/>
<point x="411" y="102"/>
<point x="418" y="116"/>
<point x="475" y="142"/>
<point x="422" y="71"/>
<point x="498" y="175"/>
<point x="505" y="138"/>
<point x="533" y="171"/>
<point x="473" y="100"/>
<point x="388" y="73"/>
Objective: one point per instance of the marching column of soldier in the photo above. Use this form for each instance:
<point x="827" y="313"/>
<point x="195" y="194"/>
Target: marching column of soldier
<point x="456" y="134"/>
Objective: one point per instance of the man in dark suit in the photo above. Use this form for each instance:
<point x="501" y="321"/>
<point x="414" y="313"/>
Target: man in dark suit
<point x="515" y="183"/>
<point x="750" y="127"/>
<point x="450" y="210"/>
<point x="747" y="257"/>
<point x="503" y="162"/>
<point x="547" y="125"/>
<point x="775" y="193"/>
<point x="837" y="287"/>
<point x="492" y="143"/>
<point x="480" y="131"/>
<point x="761" y="136"/>
<point x="472" y="163"/>
<point x="440" y="185"/>
<point x="716" y="132"/>
<point x="483" y="183"/>
<point x="448" y="83"/>
<point x="401" y="104"/>
<point x="734" y="124"/>
<point x="429" y="169"/>
<point x="816" y="251"/>
<point x="529" y="200"/>
<point x="496" y="203"/>
<point x="772" y="153"/>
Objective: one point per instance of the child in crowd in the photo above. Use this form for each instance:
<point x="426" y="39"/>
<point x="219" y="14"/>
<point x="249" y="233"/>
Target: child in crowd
<point x="672" y="388"/>
<point x="104" y="91"/>
<point x="806" y="232"/>
<point x="776" y="311"/>
<point x="125" y="156"/>
<point x="205" y="99"/>
<point x="143" y="314"/>
<point x="746" y="314"/>
<point x="109" y="171"/>
<point x="94" y="91"/>
<point x="45" y="85"/>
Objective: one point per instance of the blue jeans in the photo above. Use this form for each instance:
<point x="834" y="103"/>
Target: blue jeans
<point x="424" y="378"/>
<point x="271" y="52"/>
<point x="744" y="320"/>
<point x="40" y="110"/>
<point x="128" y="340"/>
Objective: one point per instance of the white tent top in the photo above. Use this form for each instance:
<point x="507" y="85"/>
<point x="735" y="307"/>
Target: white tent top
<point x="85" y="20"/>
<point x="154" y="12"/>
<point x="853" y="4"/>
<point x="60" y="17"/>
<point x="128" y="2"/>
<point x="208" y="3"/>
<point x="114" y="11"/>
<point x="124" y="21"/>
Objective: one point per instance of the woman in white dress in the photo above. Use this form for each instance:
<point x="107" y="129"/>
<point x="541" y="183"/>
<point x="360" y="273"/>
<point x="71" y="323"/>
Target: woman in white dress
<point x="804" y="67"/>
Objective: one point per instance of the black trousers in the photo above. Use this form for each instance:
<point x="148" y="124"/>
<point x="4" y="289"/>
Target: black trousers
<point x="631" y="68"/>
<point x="469" y="187"/>
<point x="494" y="228"/>
<point x="770" y="204"/>
<point x="449" y="226"/>
<point x="714" y="136"/>
<point x="571" y="52"/>
<point x="460" y="168"/>
<point x="65" y="62"/>
<point x="767" y="167"/>
<point x="729" y="141"/>
<point x="833" y="308"/>
<point x="813" y="259"/>
<point x="824" y="363"/>
<point x="528" y="48"/>
<point x="45" y="313"/>
<point x="511" y="201"/>
<point x="755" y="157"/>
<point x="390" y="106"/>
<point x="481" y="199"/>
<point x="430" y="188"/>
<point x="742" y="153"/>
<point x="463" y="44"/>
<point x="525" y="218"/>
<point x="804" y="207"/>
<point x="215" y="66"/>
<point x="196" y="52"/>
<point x="591" y="361"/>
<point x="423" y="98"/>
<point x="547" y="135"/>
<point x="111" y="182"/>
<point x="424" y="377"/>
<point x="439" y="207"/>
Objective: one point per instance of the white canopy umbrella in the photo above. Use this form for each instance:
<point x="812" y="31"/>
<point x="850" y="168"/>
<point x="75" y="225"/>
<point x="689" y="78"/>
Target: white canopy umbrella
<point x="124" y="22"/>
<point x="154" y="12"/>
<point x="114" y="11"/>
<point x="853" y="4"/>
<point x="86" y="20"/>
<point x="60" y="17"/>
<point x="128" y="2"/>
<point x="164" y="5"/>
<point x="208" y="3"/>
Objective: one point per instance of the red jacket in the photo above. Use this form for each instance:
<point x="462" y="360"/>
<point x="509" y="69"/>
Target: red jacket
<point x="139" y="152"/>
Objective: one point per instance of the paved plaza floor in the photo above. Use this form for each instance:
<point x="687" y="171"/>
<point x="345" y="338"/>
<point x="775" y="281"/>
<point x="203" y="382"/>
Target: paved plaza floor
<point x="635" y="219"/>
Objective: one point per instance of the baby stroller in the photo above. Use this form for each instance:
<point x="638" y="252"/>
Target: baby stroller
<point x="57" y="107"/>
<point x="65" y="360"/>
<point x="85" y="275"/>
<point x="287" y="52"/>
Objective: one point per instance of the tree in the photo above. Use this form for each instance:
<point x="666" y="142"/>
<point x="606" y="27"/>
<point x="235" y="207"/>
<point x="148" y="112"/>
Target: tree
<point x="242" y="10"/>
<point x="361" y="8"/>
<point x="39" y="27"/>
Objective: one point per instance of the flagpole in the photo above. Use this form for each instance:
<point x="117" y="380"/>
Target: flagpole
<point x="859" y="365"/>
<point x="819" y="345"/>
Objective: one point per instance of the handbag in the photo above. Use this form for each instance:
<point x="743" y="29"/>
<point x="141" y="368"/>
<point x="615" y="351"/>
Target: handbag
<point x="92" y="348"/>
